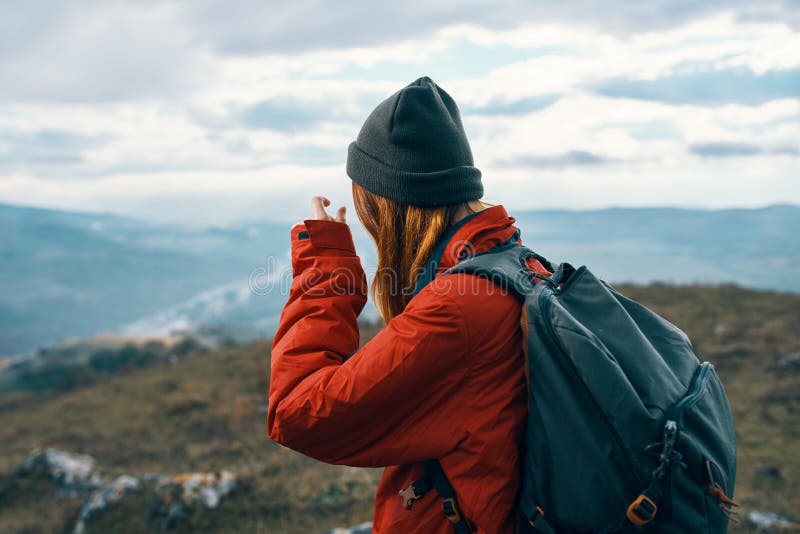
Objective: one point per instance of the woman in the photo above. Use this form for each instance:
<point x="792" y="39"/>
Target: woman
<point x="444" y="379"/>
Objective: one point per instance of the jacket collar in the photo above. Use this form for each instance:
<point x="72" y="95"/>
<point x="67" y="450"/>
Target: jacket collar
<point x="476" y="233"/>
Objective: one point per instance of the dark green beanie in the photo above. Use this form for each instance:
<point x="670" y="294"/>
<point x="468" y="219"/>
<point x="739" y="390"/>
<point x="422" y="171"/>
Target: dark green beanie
<point x="412" y="149"/>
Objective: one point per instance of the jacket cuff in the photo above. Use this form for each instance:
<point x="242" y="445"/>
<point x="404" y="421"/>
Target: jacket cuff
<point x="321" y="234"/>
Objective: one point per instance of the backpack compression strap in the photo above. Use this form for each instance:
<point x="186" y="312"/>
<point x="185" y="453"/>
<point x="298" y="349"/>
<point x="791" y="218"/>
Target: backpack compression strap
<point x="433" y="477"/>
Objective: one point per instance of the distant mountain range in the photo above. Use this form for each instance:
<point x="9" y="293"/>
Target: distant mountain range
<point x="757" y="248"/>
<point x="72" y="275"/>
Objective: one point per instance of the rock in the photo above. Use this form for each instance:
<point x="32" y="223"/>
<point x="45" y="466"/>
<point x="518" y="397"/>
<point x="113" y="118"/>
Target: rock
<point x="154" y="477"/>
<point x="75" y="476"/>
<point x="209" y="488"/>
<point x="74" y="473"/>
<point x="103" y="497"/>
<point x="363" y="528"/>
<point x="211" y="494"/>
<point x="334" y="495"/>
<point x="179" y="494"/>
<point x="769" y="471"/>
<point x="792" y="361"/>
<point x="770" y="521"/>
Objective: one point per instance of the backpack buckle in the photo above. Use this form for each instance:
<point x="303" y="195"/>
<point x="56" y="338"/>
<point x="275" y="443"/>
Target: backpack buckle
<point x="539" y="513"/>
<point x="409" y="495"/>
<point x="642" y="510"/>
<point x="450" y="509"/>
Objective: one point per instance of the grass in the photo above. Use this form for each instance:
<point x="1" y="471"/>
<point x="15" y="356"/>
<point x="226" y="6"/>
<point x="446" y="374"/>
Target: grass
<point x="207" y="413"/>
<point x="202" y="414"/>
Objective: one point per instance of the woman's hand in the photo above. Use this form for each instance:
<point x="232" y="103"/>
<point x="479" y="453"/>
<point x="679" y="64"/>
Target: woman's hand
<point x="318" y="205"/>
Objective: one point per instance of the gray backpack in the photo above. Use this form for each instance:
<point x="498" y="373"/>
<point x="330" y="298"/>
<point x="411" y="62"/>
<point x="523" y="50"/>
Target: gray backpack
<point x="626" y="431"/>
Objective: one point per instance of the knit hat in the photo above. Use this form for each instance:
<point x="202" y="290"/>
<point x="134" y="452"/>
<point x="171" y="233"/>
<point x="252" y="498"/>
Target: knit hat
<point x="412" y="149"/>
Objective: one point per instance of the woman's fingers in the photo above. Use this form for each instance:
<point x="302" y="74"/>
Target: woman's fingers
<point x="318" y="204"/>
<point x="340" y="215"/>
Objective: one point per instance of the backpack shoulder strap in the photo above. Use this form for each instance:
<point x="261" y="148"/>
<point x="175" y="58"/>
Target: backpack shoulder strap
<point x="433" y="470"/>
<point x="433" y="477"/>
<point x="506" y="265"/>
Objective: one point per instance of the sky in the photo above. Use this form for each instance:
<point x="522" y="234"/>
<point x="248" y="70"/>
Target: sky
<point x="217" y="113"/>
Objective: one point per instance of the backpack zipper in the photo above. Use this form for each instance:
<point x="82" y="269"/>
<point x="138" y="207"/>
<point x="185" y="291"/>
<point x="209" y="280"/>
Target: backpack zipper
<point x="694" y="393"/>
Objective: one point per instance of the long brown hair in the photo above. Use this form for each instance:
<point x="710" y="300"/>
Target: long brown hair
<point x="404" y="235"/>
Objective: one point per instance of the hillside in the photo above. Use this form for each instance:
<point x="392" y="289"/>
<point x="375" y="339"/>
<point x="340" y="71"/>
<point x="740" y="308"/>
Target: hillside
<point x="73" y="275"/>
<point x="206" y="413"/>
<point x="66" y="274"/>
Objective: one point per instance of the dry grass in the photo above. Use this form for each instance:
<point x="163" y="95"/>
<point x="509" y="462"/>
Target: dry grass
<point x="206" y="413"/>
<point x="200" y="415"/>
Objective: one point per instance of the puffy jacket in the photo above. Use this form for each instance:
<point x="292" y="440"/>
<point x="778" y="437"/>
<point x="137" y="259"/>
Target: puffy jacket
<point x="444" y="379"/>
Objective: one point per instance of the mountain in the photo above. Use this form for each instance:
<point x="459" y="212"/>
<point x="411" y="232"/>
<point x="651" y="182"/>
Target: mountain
<point x="757" y="248"/>
<point x="73" y="275"/>
<point x="66" y="274"/>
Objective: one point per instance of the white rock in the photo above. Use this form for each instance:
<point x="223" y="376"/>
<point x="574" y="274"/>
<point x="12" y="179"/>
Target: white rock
<point x="363" y="528"/>
<point x="790" y="362"/>
<point x="103" y="497"/>
<point x="209" y="496"/>
<point x="769" y="520"/>
<point x="208" y="488"/>
<point x="66" y="468"/>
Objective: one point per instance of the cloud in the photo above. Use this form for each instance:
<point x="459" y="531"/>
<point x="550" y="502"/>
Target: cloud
<point x="41" y="149"/>
<point x="283" y="114"/>
<point x="282" y="192"/>
<point x="290" y="114"/>
<point x="316" y="155"/>
<point x="113" y="51"/>
<point x="522" y="106"/>
<point x="98" y="52"/>
<point x="647" y="130"/>
<point x="725" y="149"/>
<point x="169" y="110"/>
<point x="570" y="158"/>
<point x="197" y="197"/>
<point x="625" y="133"/>
<point x="714" y="87"/>
<point x="256" y="27"/>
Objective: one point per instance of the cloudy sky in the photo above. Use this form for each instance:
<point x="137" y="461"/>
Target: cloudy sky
<point x="220" y="112"/>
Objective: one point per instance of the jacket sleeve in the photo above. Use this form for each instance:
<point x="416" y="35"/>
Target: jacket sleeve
<point x="392" y="401"/>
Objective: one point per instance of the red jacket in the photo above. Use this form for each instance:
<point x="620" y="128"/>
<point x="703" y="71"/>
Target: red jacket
<point x="444" y="379"/>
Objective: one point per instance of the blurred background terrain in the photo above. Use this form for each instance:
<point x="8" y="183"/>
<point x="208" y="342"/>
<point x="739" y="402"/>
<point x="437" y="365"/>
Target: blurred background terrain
<point x="154" y="155"/>
<point x="192" y="410"/>
<point x="74" y="275"/>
